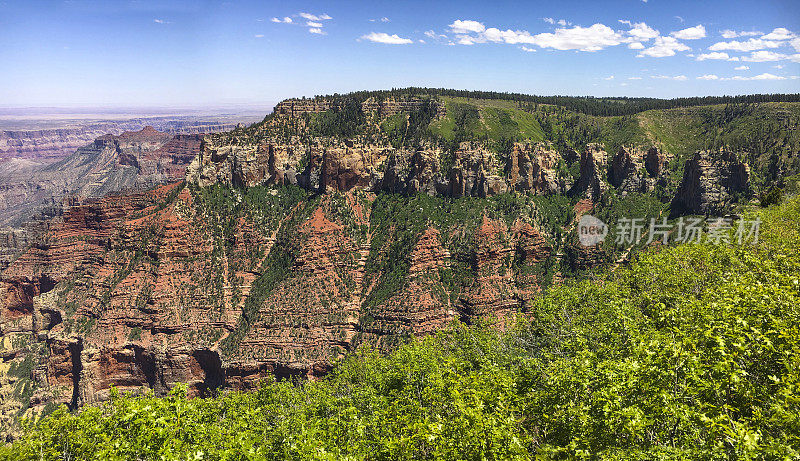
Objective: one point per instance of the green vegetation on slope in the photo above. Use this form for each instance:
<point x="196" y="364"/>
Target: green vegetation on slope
<point x="691" y="352"/>
<point x="397" y="222"/>
<point x="767" y="133"/>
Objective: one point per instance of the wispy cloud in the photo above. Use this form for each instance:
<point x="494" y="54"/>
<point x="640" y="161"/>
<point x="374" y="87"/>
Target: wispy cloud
<point x="716" y="55"/>
<point x="744" y="46"/>
<point x="729" y="34"/>
<point x="382" y="37"/>
<point x="314" y="22"/>
<point x="160" y="21"/>
<point x="764" y="76"/>
<point x="767" y="56"/>
<point x="314" y="17"/>
<point x="670" y="77"/>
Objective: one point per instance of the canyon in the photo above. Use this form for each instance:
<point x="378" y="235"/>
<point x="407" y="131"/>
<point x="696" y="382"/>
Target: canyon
<point x="241" y="256"/>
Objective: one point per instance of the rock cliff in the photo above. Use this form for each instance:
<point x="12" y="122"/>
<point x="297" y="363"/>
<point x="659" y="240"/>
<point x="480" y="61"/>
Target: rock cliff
<point x="149" y="289"/>
<point x="711" y="181"/>
<point x="133" y="160"/>
<point x="474" y="169"/>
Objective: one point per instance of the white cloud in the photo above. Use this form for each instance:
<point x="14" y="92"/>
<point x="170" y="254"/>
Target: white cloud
<point x="741" y="68"/>
<point x="764" y="76"/>
<point x="160" y="21"/>
<point x="663" y="46"/>
<point x="728" y="33"/>
<point x="286" y="20"/>
<point x="634" y="78"/>
<point x="692" y="33"/>
<point x="313" y="17"/>
<point x="529" y="50"/>
<point x="708" y="77"/>
<point x="714" y="55"/>
<point x="592" y="38"/>
<point x="641" y="32"/>
<point x="764" y="56"/>
<point x="316" y="30"/>
<point x="467" y="40"/>
<point x="381" y="37"/>
<point x="636" y="46"/>
<point x="493" y="34"/>
<point x="314" y="24"/>
<point x="610" y="77"/>
<point x="466" y="26"/>
<point x="259" y="35"/>
<point x="779" y="33"/>
<point x="795" y="44"/>
<point x="749" y="45"/>
<point x="549" y="20"/>
<point x="668" y="77"/>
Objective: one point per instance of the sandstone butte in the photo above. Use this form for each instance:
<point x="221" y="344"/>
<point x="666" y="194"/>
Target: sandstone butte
<point x="151" y="288"/>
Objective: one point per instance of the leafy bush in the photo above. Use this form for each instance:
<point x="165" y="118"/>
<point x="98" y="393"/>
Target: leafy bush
<point x="772" y="197"/>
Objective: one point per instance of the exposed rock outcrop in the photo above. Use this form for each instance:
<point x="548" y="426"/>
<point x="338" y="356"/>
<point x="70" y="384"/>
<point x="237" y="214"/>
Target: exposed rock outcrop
<point x="711" y="181"/>
<point x="633" y="170"/>
<point x="475" y="170"/>
<point x="591" y="183"/>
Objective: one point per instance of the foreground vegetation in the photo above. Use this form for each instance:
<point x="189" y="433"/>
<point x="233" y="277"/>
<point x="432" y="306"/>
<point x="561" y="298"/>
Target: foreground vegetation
<point x="691" y="352"/>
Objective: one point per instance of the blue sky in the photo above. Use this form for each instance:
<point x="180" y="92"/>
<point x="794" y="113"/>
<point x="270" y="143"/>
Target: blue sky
<point x="212" y="53"/>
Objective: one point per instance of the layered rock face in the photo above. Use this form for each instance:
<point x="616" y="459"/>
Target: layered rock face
<point x="711" y="180"/>
<point x="47" y="145"/>
<point x="166" y="286"/>
<point x="475" y="170"/>
<point x="132" y="160"/>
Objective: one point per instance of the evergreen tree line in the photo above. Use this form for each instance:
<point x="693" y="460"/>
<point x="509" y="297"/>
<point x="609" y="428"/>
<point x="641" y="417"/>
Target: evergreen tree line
<point x="591" y="105"/>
